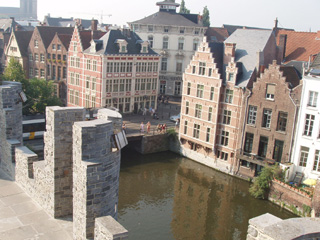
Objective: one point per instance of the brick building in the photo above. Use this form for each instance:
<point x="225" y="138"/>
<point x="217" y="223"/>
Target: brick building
<point x="117" y="69"/>
<point x="213" y="99"/>
<point x="269" y="120"/>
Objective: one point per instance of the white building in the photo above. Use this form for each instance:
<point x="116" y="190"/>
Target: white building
<point x="176" y="37"/>
<point x="306" y="151"/>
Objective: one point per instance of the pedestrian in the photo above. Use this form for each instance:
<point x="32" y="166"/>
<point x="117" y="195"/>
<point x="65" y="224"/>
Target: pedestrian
<point x="142" y="128"/>
<point x="164" y="128"/>
<point x="144" y="111"/>
<point x="159" y="128"/>
<point x="148" y="127"/>
<point x="177" y="123"/>
<point x="124" y="128"/>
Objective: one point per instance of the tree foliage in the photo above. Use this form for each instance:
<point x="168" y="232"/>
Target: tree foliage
<point x="206" y="17"/>
<point x="183" y="8"/>
<point x="39" y="92"/>
<point x="261" y="185"/>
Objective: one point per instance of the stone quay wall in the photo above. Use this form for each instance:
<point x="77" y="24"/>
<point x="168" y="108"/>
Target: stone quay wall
<point x="269" y="227"/>
<point x="96" y="174"/>
<point x="49" y="181"/>
<point x="288" y="197"/>
<point x="106" y="228"/>
<point x="10" y="125"/>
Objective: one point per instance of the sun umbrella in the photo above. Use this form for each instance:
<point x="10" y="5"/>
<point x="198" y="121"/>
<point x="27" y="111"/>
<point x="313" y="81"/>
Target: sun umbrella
<point x="310" y="182"/>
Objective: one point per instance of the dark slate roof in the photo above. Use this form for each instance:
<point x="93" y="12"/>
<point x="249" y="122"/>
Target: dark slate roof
<point x="66" y="22"/>
<point x="217" y="53"/>
<point x="298" y="65"/>
<point x="316" y="62"/>
<point x="215" y="34"/>
<point x="65" y="39"/>
<point x="47" y="33"/>
<point x="192" y="17"/>
<point x="86" y="36"/>
<point x="133" y="40"/>
<point x="167" y="19"/>
<point x="232" y="28"/>
<point x="23" y="39"/>
<point x="291" y="74"/>
<point x="248" y="43"/>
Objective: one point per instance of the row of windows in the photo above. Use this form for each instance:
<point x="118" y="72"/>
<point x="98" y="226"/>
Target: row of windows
<point x="116" y="67"/>
<point x="266" y="118"/>
<point x="74" y="97"/>
<point x="304" y="153"/>
<point x="164" y="64"/>
<point x="263" y="146"/>
<point x="146" y="84"/>
<point x="196" y="131"/>
<point x="180" y="45"/>
<point x="118" y="85"/>
<point x="167" y="29"/>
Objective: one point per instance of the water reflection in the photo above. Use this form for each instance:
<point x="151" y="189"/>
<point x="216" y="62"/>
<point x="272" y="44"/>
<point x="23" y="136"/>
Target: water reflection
<point x="164" y="196"/>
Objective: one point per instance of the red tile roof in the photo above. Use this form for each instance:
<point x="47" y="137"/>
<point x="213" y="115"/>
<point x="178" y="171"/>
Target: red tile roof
<point x="300" y="45"/>
<point x="220" y="34"/>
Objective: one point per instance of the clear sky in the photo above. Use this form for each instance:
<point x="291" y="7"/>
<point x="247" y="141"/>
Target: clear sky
<point x="296" y="14"/>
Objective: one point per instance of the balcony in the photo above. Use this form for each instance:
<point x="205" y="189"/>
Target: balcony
<point x="253" y="158"/>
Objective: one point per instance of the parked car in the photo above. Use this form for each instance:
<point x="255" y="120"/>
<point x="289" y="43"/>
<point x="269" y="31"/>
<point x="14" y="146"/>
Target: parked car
<point x="175" y="117"/>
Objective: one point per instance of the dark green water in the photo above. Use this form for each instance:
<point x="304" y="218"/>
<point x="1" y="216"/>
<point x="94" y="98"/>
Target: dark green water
<point x="165" y="196"/>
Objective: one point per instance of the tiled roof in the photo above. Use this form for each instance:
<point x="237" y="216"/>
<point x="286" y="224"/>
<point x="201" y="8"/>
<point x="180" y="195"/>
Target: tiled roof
<point x="133" y="47"/>
<point x="23" y="39"/>
<point x="248" y="43"/>
<point x="167" y="19"/>
<point x="291" y="74"/>
<point x="215" y="34"/>
<point x="65" y="39"/>
<point x="300" y="45"/>
<point x="47" y="33"/>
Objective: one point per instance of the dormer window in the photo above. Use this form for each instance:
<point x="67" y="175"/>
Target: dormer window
<point x="144" y="47"/>
<point x="122" y="45"/>
<point x="150" y="28"/>
<point x="182" y="30"/>
<point x="166" y="29"/>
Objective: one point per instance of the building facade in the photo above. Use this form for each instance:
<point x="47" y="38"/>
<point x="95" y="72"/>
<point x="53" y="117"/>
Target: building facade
<point x="176" y="37"/>
<point x="271" y="110"/>
<point x="117" y="70"/>
<point x="214" y="96"/>
<point x="305" y="155"/>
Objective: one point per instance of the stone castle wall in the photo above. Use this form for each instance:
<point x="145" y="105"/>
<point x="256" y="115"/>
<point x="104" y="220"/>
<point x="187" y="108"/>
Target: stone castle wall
<point x="10" y="125"/>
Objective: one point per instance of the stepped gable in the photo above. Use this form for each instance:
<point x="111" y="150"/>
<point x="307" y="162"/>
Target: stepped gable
<point x="248" y="43"/>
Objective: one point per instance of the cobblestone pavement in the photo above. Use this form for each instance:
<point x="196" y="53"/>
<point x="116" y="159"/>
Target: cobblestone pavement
<point x="164" y="112"/>
<point x="22" y="218"/>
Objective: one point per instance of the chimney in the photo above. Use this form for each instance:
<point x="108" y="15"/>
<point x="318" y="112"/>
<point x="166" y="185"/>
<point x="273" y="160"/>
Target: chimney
<point x="282" y="47"/>
<point x="94" y="25"/>
<point x="275" y="25"/>
<point x="229" y="52"/>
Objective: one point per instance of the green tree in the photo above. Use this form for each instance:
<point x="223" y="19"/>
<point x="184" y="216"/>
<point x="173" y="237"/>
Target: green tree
<point x="39" y="92"/>
<point x="183" y="8"/>
<point x="15" y="72"/>
<point x="261" y="184"/>
<point x="206" y="17"/>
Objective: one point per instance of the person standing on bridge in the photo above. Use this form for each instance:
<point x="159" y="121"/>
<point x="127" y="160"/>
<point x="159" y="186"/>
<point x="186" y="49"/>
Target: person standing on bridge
<point x="148" y="127"/>
<point x="142" y="128"/>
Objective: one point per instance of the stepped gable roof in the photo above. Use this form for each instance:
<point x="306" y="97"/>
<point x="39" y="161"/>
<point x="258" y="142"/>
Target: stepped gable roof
<point x="300" y="45"/>
<point x="23" y="39"/>
<point x="111" y="47"/>
<point x="291" y="74"/>
<point x="248" y="43"/>
<point x="232" y="28"/>
<point x="87" y="35"/>
<point x="167" y="19"/>
<point x="65" y="39"/>
<point x="47" y="33"/>
<point x="216" y="34"/>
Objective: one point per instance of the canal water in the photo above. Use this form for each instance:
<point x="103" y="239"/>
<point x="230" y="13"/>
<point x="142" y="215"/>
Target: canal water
<point x="164" y="196"/>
